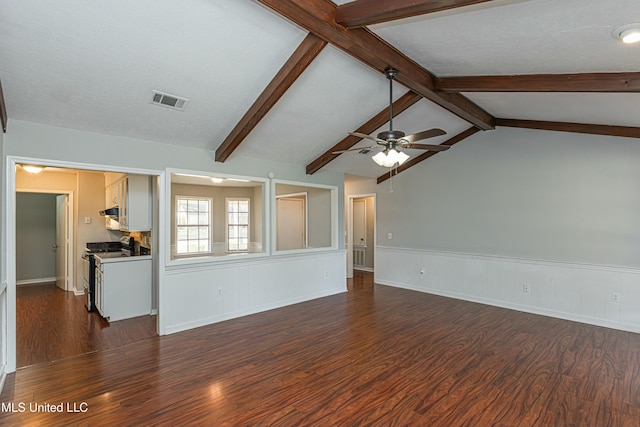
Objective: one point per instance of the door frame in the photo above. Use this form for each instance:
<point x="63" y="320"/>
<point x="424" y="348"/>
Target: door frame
<point x="8" y="298"/>
<point x="303" y="196"/>
<point x="349" y="242"/>
<point x="70" y="249"/>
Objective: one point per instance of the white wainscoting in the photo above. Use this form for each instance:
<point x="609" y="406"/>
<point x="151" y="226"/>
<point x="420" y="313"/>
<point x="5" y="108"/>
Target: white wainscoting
<point x="210" y="293"/>
<point x="577" y="292"/>
<point x="3" y="334"/>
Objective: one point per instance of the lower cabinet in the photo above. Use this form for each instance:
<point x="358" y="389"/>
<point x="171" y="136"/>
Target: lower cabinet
<point x="123" y="287"/>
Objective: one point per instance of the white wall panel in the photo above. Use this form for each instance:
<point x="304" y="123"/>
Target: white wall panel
<point x="248" y="287"/>
<point x="579" y="292"/>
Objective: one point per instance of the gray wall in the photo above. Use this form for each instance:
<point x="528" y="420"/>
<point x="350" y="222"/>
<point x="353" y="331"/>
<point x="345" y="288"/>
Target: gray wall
<point x="35" y="236"/>
<point x="519" y="193"/>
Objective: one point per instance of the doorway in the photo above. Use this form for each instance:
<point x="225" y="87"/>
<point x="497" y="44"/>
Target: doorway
<point x="48" y="319"/>
<point x="291" y="221"/>
<point x="361" y="233"/>
<point x="44" y="236"/>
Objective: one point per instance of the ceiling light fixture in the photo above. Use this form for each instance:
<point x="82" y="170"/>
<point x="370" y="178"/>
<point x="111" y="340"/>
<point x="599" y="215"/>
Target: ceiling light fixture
<point x="389" y="157"/>
<point x="217" y="180"/>
<point x="33" y="169"/>
<point x="627" y="33"/>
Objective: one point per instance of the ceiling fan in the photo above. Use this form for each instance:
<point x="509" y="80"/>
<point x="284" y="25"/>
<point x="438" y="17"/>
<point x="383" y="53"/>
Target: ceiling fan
<point x="391" y="139"/>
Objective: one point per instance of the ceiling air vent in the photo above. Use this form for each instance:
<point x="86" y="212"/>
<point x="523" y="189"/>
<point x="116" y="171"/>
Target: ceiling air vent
<point x="170" y="101"/>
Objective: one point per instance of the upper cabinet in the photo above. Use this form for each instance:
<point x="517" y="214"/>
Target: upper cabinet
<point x="132" y="195"/>
<point x="135" y="207"/>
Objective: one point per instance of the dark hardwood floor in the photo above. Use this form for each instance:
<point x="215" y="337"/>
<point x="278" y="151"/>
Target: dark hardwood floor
<point x="52" y="324"/>
<point x="374" y="356"/>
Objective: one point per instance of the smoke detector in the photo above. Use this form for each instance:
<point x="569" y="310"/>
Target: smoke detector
<point x="169" y="101"/>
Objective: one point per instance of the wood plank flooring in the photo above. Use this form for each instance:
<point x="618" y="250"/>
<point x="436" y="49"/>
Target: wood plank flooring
<point x="374" y="356"/>
<point x="52" y="324"/>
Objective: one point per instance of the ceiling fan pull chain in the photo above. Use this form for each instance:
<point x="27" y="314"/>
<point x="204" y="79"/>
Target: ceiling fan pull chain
<point x="391" y="179"/>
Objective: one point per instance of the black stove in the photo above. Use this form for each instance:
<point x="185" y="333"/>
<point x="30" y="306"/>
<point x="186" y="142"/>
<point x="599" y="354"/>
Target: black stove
<point x="123" y="247"/>
<point x="102" y="247"/>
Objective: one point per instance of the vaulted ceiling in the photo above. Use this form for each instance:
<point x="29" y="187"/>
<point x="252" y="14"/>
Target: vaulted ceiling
<point x="289" y="79"/>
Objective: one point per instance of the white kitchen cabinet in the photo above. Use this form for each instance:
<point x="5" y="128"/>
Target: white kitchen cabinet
<point x="123" y="287"/>
<point x="132" y="196"/>
<point x="135" y="203"/>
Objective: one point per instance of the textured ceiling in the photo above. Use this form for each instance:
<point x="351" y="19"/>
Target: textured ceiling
<point x="93" y="66"/>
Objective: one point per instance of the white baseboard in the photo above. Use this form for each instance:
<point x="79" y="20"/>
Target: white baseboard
<point x="35" y="281"/>
<point x="361" y="268"/>
<point x="570" y="291"/>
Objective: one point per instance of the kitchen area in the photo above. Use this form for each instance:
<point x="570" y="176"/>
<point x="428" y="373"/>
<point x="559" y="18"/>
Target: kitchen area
<point x="110" y="296"/>
<point x="117" y="274"/>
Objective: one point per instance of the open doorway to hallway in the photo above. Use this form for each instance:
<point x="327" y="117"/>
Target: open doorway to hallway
<point x="361" y="233"/>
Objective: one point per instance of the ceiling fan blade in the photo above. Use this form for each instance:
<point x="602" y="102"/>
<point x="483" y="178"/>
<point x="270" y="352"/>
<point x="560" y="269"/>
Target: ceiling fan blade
<point x="423" y="135"/>
<point x="364" y="135"/>
<point x="430" y="147"/>
<point x="355" y="149"/>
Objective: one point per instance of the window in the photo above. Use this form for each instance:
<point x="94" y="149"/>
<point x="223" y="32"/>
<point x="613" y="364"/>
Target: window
<point x="193" y="225"/>
<point x="238" y="225"/>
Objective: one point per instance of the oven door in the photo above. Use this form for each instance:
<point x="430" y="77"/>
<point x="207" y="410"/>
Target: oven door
<point x="88" y="279"/>
<point x="85" y="272"/>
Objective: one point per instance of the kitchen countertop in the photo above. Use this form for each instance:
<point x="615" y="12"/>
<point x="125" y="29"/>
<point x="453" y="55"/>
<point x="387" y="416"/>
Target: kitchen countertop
<point x="106" y="257"/>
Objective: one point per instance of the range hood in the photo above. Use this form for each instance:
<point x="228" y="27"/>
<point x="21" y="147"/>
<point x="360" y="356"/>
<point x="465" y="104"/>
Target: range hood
<point x="111" y="212"/>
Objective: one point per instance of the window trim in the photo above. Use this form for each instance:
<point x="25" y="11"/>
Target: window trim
<point x="209" y="200"/>
<point x="226" y="220"/>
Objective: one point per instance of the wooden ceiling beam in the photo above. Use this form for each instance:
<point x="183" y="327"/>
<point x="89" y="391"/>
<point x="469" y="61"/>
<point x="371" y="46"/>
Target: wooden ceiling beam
<point x="3" y="111"/>
<point x="308" y="50"/>
<point x="401" y="104"/>
<point x="621" y="131"/>
<point x="367" y="12"/>
<point x="585" y="82"/>
<point x="424" y="156"/>
<point x="318" y="17"/>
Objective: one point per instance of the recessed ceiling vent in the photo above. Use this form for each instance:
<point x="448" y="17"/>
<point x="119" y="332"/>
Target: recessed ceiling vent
<point x="170" y="101"/>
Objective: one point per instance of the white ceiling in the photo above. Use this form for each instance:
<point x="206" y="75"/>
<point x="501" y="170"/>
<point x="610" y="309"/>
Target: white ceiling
<point x="93" y="66"/>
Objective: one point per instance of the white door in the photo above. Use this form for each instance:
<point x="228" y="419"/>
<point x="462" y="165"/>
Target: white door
<point x="62" y="241"/>
<point x="359" y="222"/>
<point x="290" y="224"/>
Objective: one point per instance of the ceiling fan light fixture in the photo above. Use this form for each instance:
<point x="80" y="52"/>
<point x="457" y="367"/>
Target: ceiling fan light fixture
<point x="389" y="158"/>
<point x="628" y="33"/>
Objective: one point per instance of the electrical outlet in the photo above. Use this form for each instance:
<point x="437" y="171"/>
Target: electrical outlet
<point x="389" y="236"/>
<point x="525" y="288"/>
<point x="219" y="292"/>
<point x="615" y="297"/>
<point x="87" y="220"/>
